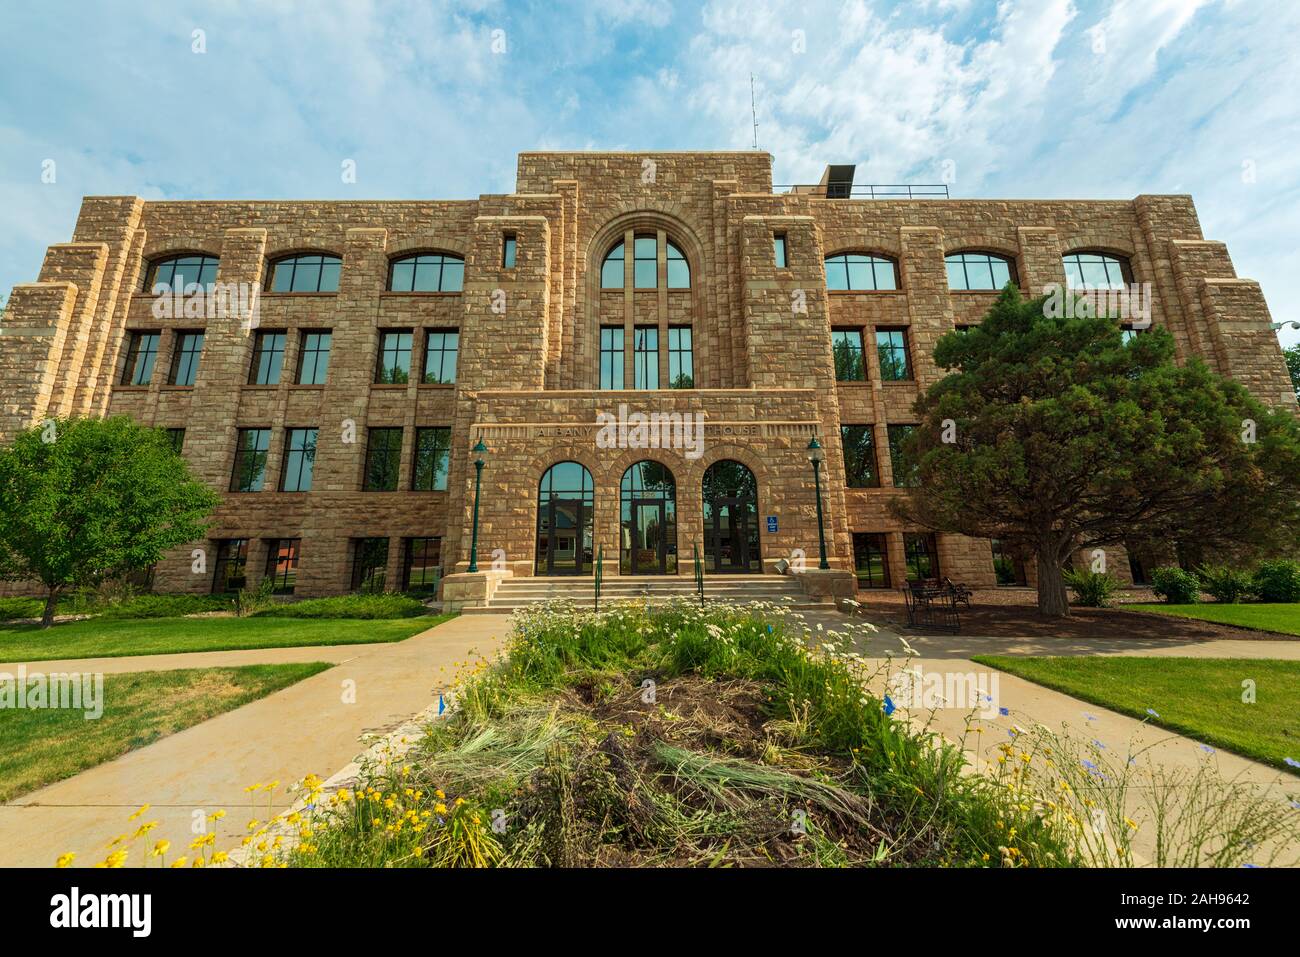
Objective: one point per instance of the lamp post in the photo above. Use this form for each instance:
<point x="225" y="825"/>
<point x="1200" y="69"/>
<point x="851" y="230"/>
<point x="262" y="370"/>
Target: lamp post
<point x="481" y="451"/>
<point x="816" y="456"/>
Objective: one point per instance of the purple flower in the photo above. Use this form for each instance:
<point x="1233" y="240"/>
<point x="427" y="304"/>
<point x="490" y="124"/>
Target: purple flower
<point x="1004" y="711"/>
<point x="1207" y="749"/>
<point x="1291" y="762"/>
<point x="1088" y="717"/>
<point x="1152" y="712"/>
<point x="1098" y="744"/>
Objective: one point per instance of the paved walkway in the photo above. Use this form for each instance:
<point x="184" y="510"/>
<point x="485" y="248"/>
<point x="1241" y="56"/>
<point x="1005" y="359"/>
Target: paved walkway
<point x="335" y="654"/>
<point x="307" y="728"/>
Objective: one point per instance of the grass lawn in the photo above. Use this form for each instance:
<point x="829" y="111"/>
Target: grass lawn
<point x="38" y="747"/>
<point x="1198" y="697"/>
<point x="1284" y="618"/>
<point x="104" y="638"/>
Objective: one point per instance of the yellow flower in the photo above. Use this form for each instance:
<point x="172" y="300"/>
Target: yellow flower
<point x="65" y="860"/>
<point x="217" y="815"/>
<point x="440" y="808"/>
<point x="160" y="848"/>
<point x="139" y="813"/>
<point x="220" y="857"/>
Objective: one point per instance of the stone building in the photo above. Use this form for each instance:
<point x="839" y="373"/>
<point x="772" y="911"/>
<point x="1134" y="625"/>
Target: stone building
<point x="329" y="366"/>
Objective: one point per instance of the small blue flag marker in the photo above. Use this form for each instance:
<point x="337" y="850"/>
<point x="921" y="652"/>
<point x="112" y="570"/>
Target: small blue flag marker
<point x="442" y="705"/>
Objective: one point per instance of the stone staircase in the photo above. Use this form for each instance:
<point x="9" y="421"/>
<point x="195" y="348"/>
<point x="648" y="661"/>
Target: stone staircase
<point x="515" y="593"/>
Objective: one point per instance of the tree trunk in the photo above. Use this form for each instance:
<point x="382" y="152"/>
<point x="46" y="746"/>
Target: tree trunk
<point x="51" y="602"/>
<point x="1052" y="599"/>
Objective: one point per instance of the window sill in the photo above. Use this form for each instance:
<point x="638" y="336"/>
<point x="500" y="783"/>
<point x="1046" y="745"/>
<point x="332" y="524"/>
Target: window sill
<point x="448" y="386"/>
<point x="421" y="294"/>
<point x="865" y="292"/>
<point x="268" y="294"/>
<point x="898" y="382"/>
<point x="389" y="386"/>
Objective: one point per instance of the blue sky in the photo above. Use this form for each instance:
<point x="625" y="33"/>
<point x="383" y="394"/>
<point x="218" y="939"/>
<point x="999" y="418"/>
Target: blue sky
<point x="1021" y="98"/>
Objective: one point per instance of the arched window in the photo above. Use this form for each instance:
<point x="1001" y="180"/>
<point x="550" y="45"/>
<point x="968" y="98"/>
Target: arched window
<point x="645" y="265"/>
<point x="979" y="270"/>
<point x="427" y="272"/>
<point x="855" y="271"/>
<point x="730" y="496"/>
<point x="564" y="520"/>
<point x="309" y="272"/>
<point x="177" y="272"/>
<point x="648" y="500"/>
<point x="1088" y="270"/>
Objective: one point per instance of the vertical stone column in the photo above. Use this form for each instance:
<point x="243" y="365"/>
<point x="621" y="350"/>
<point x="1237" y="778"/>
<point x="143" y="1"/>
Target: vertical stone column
<point x="38" y="319"/>
<point x="925" y="279"/>
<point x="1040" y="260"/>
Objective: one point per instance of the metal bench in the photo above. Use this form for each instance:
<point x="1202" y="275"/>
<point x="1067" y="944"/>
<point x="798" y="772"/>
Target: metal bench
<point x="931" y="605"/>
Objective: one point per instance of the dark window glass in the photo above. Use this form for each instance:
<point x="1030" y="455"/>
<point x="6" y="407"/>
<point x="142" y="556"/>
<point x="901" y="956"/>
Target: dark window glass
<point x="611" y="270"/>
<point x="141" y="352"/>
<point x="611" y="357"/>
<point x="871" y="560"/>
<point x="440" y="352"/>
<point x="427" y="272"/>
<point x="859" y="456"/>
<point x="645" y="357"/>
<point x="231" y="565"/>
<point x="846" y="346"/>
<point x="179" y="272"/>
<point x="394" y="357"/>
<point x="508" y="252"/>
<point x="778" y="242"/>
<point x="979" y="271"/>
<point x="432" y="459"/>
<point x="1095" y="271"/>
<point x="891" y="347"/>
<point x="383" y="458"/>
<point x="421" y="564"/>
<point x="282" y="564"/>
<point x="369" y="564"/>
<point x="679" y="270"/>
<point x="268" y="357"/>
<point x="922" y="556"/>
<point x="311" y="272"/>
<point x="903" y="474"/>
<point x="1127" y="333"/>
<point x="681" y="363"/>
<point x="177" y="439"/>
<point x="314" y="358"/>
<point x="1008" y="569"/>
<point x="185" y="358"/>
<point x="299" y="460"/>
<point x="250" y="460"/>
<point x="644" y="262"/>
<point x="858" y="271"/>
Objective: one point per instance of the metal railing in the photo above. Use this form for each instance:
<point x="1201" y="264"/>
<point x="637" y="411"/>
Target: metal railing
<point x="868" y="190"/>
<point x="600" y="574"/>
<point x="699" y="573"/>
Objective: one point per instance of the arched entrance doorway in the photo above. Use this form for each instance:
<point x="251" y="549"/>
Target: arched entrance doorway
<point x="564" y="520"/>
<point x="648" y="501"/>
<point x="730" y="519"/>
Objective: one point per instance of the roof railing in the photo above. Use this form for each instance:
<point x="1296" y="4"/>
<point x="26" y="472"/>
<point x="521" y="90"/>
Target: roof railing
<point x="867" y="190"/>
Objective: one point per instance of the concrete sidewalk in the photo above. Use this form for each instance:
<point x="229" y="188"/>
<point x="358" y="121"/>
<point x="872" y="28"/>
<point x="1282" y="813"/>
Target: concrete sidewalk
<point x="312" y="727"/>
<point x="335" y="654"/>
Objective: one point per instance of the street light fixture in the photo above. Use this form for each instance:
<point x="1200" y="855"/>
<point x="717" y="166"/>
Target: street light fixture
<point x="817" y="455"/>
<point x="481" y="451"/>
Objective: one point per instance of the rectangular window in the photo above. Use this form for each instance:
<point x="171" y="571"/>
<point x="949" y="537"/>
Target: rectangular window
<point x="645" y="262"/>
<point x="141" y="351"/>
<point x="645" y="357"/>
<point x="185" y="358"/>
<point x="432" y="459"/>
<point x="441" y="348"/>
<point x="369" y="564"/>
<point x="870" y="560"/>
<point x="846" y="344"/>
<point x="282" y="564"/>
<point x="681" y="364"/>
<point x="299" y="460"/>
<point x="383" y="458"/>
<point x="177" y="439"/>
<point x="778" y="242"/>
<point x="394" y="357"/>
<point x="508" y="251"/>
<point x="859" y="456"/>
<point x="250" y="460"/>
<point x="268" y="357"/>
<point x="1008" y="569"/>
<point x="922" y="556"/>
<point x="891" y="347"/>
<point x="314" y="357"/>
<point x="231" y="565"/>
<point x="421" y="564"/>
<point x="611" y="357"/>
<point x="904" y="475"/>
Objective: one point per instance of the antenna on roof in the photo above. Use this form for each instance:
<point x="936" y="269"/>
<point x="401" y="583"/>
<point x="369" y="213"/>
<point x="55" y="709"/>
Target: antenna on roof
<point x="753" y="110"/>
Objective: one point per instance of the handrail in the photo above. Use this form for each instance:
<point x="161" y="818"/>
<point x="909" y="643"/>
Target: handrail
<point x="866" y="190"/>
<point x="600" y="573"/>
<point x="699" y="572"/>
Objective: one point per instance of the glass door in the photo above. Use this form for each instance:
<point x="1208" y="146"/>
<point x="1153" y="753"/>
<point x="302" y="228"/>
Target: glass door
<point x="564" y="542"/>
<point x="647" y="539"/>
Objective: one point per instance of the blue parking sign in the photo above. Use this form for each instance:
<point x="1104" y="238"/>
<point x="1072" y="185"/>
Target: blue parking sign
<point x="771" y="523"/>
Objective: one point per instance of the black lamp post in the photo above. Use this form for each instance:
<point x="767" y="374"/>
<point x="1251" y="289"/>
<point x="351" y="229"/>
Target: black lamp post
<point x="481" y="451"/>
<point x="816" y="456"/>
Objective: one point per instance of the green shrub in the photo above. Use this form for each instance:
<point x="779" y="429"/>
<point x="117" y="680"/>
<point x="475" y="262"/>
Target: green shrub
<point x="1277" y="580"/>
<point x="11" y="608"/>
<point x="163" y="606"/>
<point x="1091" y="589"/>
<point x="373" y="606"/>
<point x="1225" y="584"/>
<point x="1175" y="586"/>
